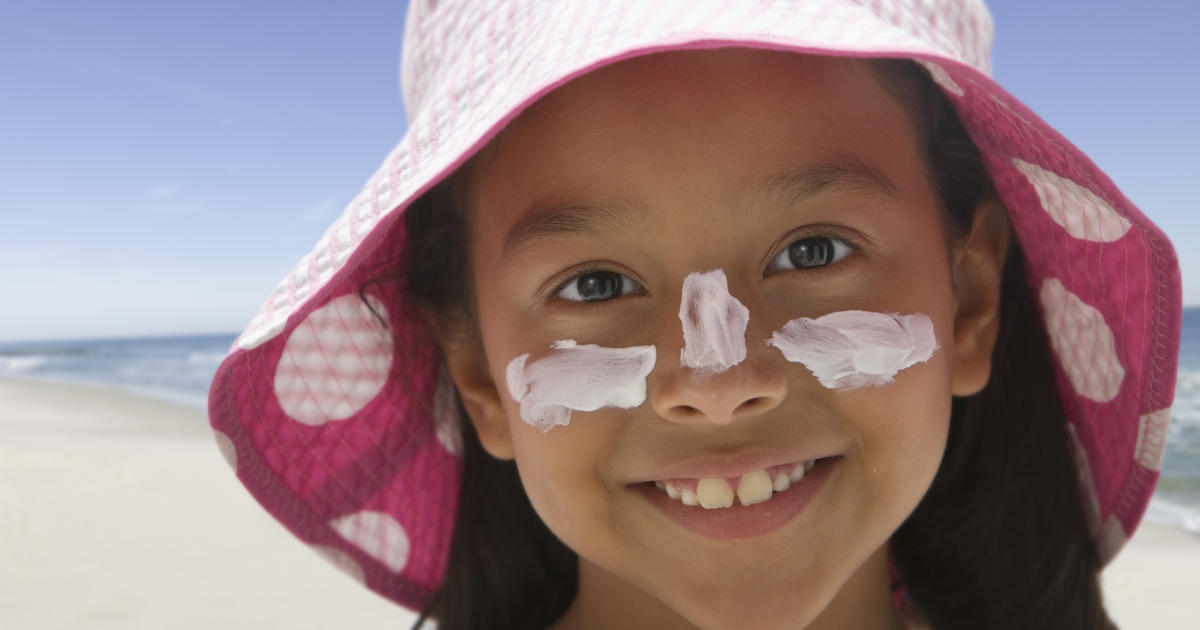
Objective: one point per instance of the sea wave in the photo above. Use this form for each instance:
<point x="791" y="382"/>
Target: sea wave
<point x="1185" y="413"/>
<point x="206" y="357"/>
<point x="21" y="363"/>
<point x="193" y="399"/>
<point x="1187" y="381"/>
<point x="1186" y="517"/>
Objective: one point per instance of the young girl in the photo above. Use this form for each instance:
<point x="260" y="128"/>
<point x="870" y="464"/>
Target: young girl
<point x="682" y="315"/>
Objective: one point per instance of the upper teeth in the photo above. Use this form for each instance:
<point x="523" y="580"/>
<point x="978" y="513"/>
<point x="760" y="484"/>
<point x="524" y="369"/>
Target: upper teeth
<point x="714" y="493"/>
<point x="753" y="487"/>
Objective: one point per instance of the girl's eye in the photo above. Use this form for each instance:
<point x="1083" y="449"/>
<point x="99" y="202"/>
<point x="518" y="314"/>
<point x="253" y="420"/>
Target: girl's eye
<point x="597" y="286"/>
<point x="811" y="252"/>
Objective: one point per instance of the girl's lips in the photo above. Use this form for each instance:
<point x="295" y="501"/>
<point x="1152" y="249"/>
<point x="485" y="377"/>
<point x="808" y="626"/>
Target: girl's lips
<point x="741" y="521"/>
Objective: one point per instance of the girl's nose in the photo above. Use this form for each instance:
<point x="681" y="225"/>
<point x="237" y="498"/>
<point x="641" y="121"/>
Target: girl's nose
<point x="752" y="388"/>
<point x="723" y="373"/>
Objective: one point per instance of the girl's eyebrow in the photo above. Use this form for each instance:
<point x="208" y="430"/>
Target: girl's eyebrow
<point x="843" y="174"/>
<point x="792" y="186"/>
<point x="575" y="219"/>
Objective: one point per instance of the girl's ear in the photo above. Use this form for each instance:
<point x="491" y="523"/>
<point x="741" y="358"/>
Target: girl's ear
<point x="978" y="274"/>
<point x="467" y="363"/>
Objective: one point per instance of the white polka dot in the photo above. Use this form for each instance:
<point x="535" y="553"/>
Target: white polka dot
<point x="1077" y="209"/>
<point x="343" y="409"/>
<point x="1083" y="342"/>
<point x="378" y="535"/>
<point x="445" y="414"/>
<point x="1087" y="485"/>
<point x="1152" y="438"/>
<point x="334" y="362"/>
<point x="343" y="561"/>
<point x="228" y="451"/>
<point x="942" y="78"/>
<point x="1110" y="538"/>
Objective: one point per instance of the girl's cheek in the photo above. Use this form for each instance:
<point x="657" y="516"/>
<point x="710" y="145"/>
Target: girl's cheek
<point x="578" y="378"/>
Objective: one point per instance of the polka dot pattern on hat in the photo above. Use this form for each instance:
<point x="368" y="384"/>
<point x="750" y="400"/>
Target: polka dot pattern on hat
<point x="1083" y="343"/>
<point x="335" y="361"/>
<point x="1152" y="438"/>
<point x="227" y="449"/>
<point x="1077" y="209"/>
<point x="378" y="535"/>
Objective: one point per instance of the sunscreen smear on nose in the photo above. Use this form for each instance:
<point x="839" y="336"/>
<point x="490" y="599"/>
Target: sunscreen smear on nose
<point x="714" y="323"/>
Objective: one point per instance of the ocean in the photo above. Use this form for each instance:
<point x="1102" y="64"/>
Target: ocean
<point x="1177" y="497"/>
<point x="179" y="369"/>
<point x="175" y="369"/>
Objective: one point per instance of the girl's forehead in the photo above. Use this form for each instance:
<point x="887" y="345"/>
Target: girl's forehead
<point x="712" y="122"/>
<point x="705" y="81"/>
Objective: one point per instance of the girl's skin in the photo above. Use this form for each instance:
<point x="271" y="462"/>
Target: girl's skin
<point x="675" y="148"/>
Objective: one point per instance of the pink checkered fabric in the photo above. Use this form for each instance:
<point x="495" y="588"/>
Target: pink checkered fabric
<point x="353" y="445"/>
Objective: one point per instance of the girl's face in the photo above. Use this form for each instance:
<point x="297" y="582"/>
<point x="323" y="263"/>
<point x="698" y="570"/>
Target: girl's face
<point x="590" y="210"/>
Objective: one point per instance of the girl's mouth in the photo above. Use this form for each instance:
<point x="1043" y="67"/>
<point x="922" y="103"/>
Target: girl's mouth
<point x="754" y="503"/>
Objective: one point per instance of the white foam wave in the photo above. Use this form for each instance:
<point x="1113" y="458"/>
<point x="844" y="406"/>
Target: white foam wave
<point x="26" y="363"/>
<point x="1186" y="517"/>
<point x="1187" y="381"/>
<point x="1183" y="417"/>
<point x="205" y="357"/>
<point x="196" y="400"/>
<point x="1185" y="410"/>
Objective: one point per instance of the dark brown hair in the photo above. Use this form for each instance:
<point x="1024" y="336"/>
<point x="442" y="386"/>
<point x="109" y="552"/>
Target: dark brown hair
<point x="1000" y="539"/>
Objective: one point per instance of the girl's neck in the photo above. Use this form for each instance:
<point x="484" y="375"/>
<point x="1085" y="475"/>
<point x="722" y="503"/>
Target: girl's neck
<point x="606" y="601"/>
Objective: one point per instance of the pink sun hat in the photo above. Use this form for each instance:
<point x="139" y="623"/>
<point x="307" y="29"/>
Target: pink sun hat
<point x="331" y="406"/>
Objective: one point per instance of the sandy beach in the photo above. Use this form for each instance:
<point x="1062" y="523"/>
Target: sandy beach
<point x="118" y="511"/>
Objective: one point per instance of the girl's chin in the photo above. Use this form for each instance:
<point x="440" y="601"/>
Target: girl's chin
<point x="757" y="609"/>
<point x="724" y="593"/>
<point x="781" y="601"/>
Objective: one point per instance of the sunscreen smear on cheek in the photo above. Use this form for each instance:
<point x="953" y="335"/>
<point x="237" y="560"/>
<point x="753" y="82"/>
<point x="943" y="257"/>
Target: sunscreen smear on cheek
<point x="578" y="378"/>
<point x="714" y="323"/>
<point x="850" y="349"/>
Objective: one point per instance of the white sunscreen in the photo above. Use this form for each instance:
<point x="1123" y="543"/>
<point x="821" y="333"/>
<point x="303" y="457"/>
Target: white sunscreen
<point x="580" y="378"/>
<point x="850" y="349"/>
<point x="714" y="323"/>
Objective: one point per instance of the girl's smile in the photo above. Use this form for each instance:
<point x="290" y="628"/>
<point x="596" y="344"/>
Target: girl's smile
<point x="739" y="505"/>
<point x="801" y="179"/>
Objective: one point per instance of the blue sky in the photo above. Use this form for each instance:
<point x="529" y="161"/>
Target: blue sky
<point x="162" y="165"/>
